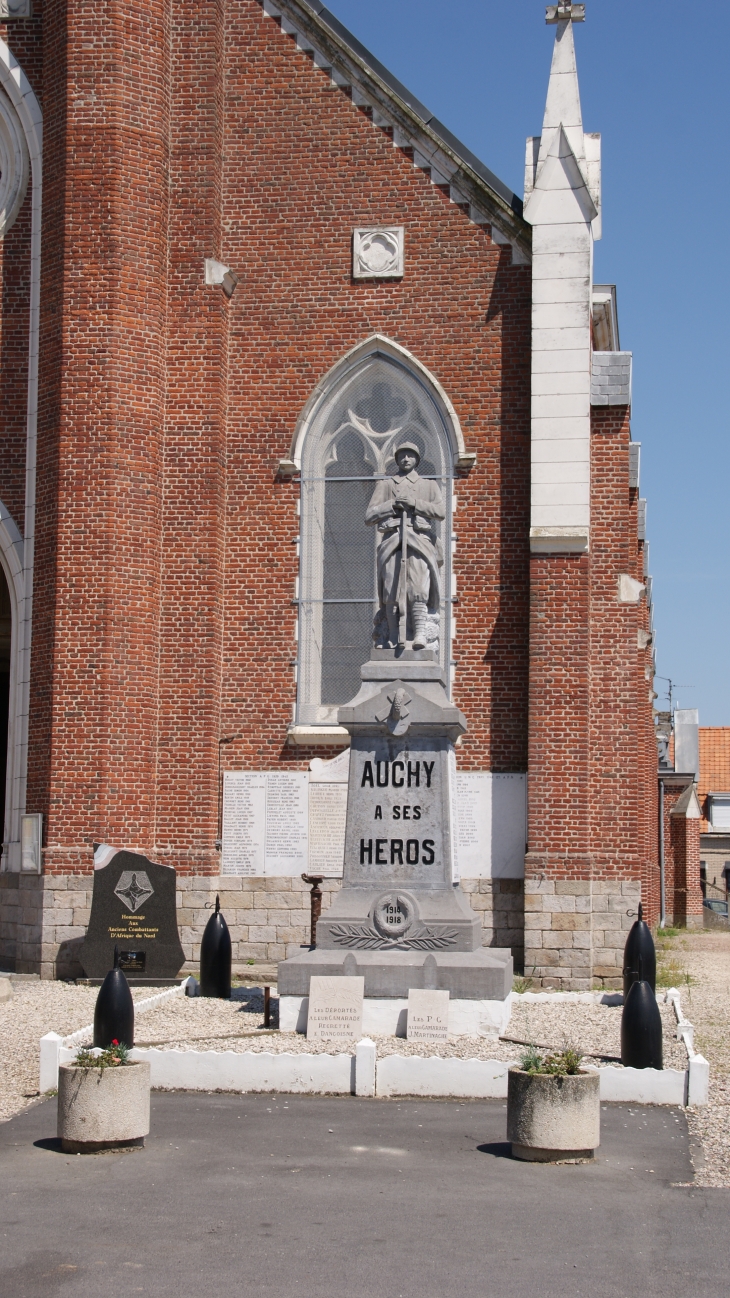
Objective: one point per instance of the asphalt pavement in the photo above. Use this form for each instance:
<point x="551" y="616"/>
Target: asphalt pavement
<point x="323" y="1197"/>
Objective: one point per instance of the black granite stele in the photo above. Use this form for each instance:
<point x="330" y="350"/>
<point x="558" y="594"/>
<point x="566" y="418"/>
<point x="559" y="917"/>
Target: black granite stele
<point x="133" y="907"/>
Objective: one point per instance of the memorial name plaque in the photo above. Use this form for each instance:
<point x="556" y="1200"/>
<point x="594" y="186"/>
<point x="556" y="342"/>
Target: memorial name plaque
<point x="428" y="1015"/>
<point x="265" y="823"/>
<point x="327" y="818"/>
<point x="490" y="813"/>
<point x="335" y="1008"/>
<point x="293" y="822"/>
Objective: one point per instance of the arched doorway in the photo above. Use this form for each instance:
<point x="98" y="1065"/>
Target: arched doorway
<point x="5" y="631"/>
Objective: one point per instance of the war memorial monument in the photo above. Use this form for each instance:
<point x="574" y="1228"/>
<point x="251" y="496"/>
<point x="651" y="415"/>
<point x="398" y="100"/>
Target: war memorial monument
<point x="401" y="920"/>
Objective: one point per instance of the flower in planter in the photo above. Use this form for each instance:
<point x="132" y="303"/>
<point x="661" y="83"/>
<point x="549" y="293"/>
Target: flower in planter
<point x="562" y="1063"/>
<point x="115" y="1055"/>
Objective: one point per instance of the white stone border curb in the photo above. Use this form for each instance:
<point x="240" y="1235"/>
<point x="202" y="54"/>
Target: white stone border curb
<point x="212" y="1070"/>
<point x="698" y="1070"/>
<point x="363" y="1074"/>
<point x="53" y="1046"/>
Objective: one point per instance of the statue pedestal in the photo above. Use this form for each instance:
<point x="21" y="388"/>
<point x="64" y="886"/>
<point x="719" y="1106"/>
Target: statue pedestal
<point x="401" y="919"/>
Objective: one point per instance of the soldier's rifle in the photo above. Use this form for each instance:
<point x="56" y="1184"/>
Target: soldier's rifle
<point x="403" y="582"/>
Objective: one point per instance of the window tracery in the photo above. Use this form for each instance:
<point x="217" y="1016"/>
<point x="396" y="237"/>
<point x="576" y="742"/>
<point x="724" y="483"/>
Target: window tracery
<point x="348" y="446"/>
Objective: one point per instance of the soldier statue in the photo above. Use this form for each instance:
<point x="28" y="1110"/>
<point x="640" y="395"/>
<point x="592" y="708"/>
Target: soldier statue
<point x="404" y="509"/>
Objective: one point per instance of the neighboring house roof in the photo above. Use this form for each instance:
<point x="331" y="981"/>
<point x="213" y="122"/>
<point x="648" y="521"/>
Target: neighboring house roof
<point x="714" y="765"/>
<point x="319" y="33"/>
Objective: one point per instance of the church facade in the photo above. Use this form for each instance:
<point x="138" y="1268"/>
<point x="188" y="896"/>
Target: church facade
<point x="241" y="264"/>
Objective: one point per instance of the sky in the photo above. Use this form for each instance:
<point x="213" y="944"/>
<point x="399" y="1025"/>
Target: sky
<point x="654" y="79"/>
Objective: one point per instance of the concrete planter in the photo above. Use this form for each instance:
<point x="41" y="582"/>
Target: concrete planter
<point x="103" y="1108"/>
<point x="553" y="1119"/>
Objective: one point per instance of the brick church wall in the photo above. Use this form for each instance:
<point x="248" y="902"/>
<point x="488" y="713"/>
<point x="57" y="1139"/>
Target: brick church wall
<point x="588" y="778"/>
<point x="165" y="564"/>
<point x="165" y="569"/>
<point x="303" y="166"/>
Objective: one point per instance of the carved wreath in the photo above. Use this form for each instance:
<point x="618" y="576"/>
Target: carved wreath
<point x="363" y="937"/>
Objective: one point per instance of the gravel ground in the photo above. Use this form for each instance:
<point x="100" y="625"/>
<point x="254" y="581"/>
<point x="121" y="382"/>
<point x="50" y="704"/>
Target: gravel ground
<point x="706" y="1003"/>
<point x="37" y="1008"/>
<point x="594" y="1029"/>
<point x="237" y="1025"/>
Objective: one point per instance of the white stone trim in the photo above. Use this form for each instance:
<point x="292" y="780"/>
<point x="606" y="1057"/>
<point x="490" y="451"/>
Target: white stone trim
<point x="377" y="345"/>
<point x="210" y="1070"/>
<point x="476" y="1079"/>
<point x="14" y="165"/>
<point x="366" y="1062"/>
<point x="11" y="560"/>
<point x="367" y="266"/>
<point x="361" y="1074"/>
<point x="698" y="1072"/>
<point x="562" y="203"/>
<point x="317" y="736"/>
<point x="643" y="1085"/>
<point x="430" y="153"/>
<point x="218" y="273"/>
<point x="14" y="550"/>
<point x="559" y="540"/>
<point x="630" y="590"/>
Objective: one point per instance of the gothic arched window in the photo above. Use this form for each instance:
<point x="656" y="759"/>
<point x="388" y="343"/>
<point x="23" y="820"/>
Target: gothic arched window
<point x="351" y="434"/>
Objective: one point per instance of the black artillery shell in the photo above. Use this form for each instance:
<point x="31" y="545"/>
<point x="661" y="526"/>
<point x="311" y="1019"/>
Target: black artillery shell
<point x="114" y="1012"/>
<point x="641" y="1029"/>
<point x="215" y="957"/>
<point x="639" y="946"/>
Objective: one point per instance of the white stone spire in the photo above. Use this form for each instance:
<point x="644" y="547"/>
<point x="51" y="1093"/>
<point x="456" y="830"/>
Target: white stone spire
<point x="562" y="107"/>
<point x="562" y="198"/>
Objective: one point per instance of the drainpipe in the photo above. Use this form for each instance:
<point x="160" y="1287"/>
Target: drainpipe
<point x="662" y="910"/>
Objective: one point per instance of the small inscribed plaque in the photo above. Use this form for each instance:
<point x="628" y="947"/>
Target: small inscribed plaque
<point x="327" y="817"/>
<point x="286" y="822"/>
<point x="335" y="1008"/>
<point x="334" y="771"/>
<point x="428" y="1015"/>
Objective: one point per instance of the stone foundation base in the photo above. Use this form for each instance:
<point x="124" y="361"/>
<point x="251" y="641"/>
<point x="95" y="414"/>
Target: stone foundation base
<point x="483" y="975"/>
<point x="43" y="918"/>
<point x="43" y="921"/>
<point x="576" y="930"/>
<point x="500" y="904"/>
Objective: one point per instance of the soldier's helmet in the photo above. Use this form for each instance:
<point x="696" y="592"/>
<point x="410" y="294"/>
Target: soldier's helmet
<point x="407" y="446"/>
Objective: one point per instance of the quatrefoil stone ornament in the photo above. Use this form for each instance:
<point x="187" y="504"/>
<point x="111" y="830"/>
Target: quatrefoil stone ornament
<point x="377" y="252"/>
